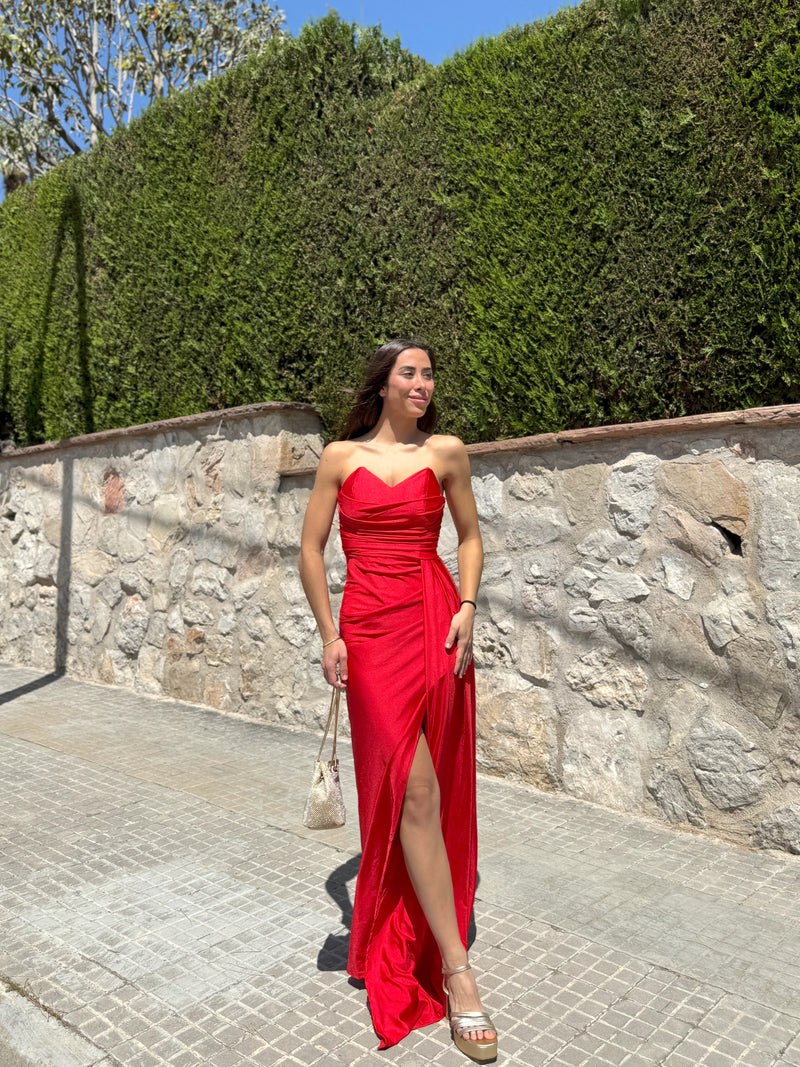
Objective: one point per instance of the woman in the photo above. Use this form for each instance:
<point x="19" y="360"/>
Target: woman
<point x="404" y="652"/>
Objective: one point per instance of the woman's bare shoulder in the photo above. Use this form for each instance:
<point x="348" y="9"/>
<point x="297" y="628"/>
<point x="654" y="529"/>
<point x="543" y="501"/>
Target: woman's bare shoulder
<point x="335" y="458"/>
<point x="447" y="447"/>
<point x="337" y="450"/>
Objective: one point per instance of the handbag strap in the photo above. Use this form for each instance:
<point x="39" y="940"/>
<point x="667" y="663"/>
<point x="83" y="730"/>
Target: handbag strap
<point x="333" y="715"/>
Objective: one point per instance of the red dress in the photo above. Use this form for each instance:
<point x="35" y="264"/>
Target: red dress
<point x="398" y="602"/>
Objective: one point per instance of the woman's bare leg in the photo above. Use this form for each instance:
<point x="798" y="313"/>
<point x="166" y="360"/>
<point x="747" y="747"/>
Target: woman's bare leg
<point x="429" y="871"/>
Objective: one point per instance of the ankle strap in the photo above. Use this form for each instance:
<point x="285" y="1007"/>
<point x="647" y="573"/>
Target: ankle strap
<point x="456" y="970"/>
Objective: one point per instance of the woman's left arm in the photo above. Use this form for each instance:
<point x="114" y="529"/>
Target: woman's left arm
<point x="460" y="500"/>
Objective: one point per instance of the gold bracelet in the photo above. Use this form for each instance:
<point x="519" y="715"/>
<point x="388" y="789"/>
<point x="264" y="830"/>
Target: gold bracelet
<point x="337" y="638"/>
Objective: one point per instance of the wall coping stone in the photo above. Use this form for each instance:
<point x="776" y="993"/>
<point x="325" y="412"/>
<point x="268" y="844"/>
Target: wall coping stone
<point x="151" y="429"/>
<point x="780" y="415"/>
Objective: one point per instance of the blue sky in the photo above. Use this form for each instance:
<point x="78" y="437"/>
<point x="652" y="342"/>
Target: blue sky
<point x="434" y="30"/>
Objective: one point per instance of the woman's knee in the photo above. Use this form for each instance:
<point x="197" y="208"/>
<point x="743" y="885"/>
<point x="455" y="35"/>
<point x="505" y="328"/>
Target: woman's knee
<point x="421" y="803"/>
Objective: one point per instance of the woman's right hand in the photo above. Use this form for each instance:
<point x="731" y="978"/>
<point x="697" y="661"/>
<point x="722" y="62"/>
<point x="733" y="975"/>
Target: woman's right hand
<point x="334" y="663"/>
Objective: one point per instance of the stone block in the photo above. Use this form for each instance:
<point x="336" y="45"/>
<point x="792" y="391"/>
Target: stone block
<point x="543" y="567"/>
<point x="51" y="528"/>
<point x="600" y="761"/>
<point x="579" y="581"/>
<point x="107" y="536"/>
<point x="161" y="596"/>
<point x="101" y="619"/>
<point x="532" y="485"/>
<point x="678" y="577"/>
<point x="92" y="566"/>
<point x="708" y="492"/>
<point x="583" y="620"/>
<point x="728" y="766"/>
<point x="728" y="615"/>
<point x="45" y="564"/>
<point x="150" y="670"/>
<point x="112" y="493"/>
<point x="131" y="627"/>
<point x="180" y="564"/>
<point x="705" y="543"/>
<point x="777" y="488"/>
<point x="244" y="591"/>
<point x="157" y="630"/>
<point x="787" y="746"/>
<point x="495" y="569"/>
<point x="781" y="830"/>
<point x="488" y="492"/>
<point x="603" y="545"/>
<point x="497" y="601"/>
<point x="607" y="682"/>
<point x="258" y="626"/>
<point x="540" y="601"/>
<point x="110" y="589"/>
<point x="264" y="465"/>
<point x="255" y="562"/>
<point x="536" y="657"/>
<point x="532" y="527"/>
<point x="184" y="679"/>
<point x="129" y="548"/>
<point x="213" y="543"/>
<point x="516" y="734"/>
<point x="252" y="532"/>
<point x="582" y="492"/>
<point x="491" y="648"/>
<point x="675" y="802"/>
<point x="219" y="650"/>
<point x="632" y="626"/>
<point x="680" y="650"/>
<point x="132" y="580"/>
<point x="197" y="612"/>
<point x="757" y="664"/>
<point x="208" y="579"/>
<point x="631" y="493"/>
<point x="783" y="614"/>
<point x="168" y="523"/>
<point x="615" y="587"/>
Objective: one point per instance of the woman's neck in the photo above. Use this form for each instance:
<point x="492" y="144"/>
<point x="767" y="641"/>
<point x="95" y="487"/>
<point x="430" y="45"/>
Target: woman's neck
<point x="390" y="432"/>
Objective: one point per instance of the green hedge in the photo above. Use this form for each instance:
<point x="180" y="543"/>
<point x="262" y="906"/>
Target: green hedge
<point x="593" y="219"/>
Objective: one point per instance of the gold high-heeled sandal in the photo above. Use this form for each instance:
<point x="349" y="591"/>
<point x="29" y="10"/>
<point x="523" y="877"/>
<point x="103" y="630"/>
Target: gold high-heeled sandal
<point x="465" y="1022"/>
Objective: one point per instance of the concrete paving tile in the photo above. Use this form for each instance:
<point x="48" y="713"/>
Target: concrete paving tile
<point x="192" y="906"/>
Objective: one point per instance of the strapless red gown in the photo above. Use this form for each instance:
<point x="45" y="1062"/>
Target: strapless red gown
<point x="396" y="610"/>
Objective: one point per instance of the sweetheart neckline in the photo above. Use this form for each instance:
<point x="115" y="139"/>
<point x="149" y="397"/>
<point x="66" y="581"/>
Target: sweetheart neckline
<point x="386" y="484"/>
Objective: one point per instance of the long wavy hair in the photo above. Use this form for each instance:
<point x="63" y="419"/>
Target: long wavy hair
<point x="366" y="411"/>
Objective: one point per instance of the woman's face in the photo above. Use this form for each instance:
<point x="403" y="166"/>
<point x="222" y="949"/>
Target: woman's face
<point x="409" y="386"/>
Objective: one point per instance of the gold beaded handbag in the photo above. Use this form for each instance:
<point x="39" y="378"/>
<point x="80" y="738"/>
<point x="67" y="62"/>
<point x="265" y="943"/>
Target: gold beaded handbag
<point x="325" y="805"/>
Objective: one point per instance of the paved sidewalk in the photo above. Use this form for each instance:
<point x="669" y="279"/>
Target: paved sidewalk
<point x="161" y="902"/>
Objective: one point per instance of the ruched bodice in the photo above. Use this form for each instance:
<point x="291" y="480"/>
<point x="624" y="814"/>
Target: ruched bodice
<point x="376" y="519"/>
<point x="398" y="603"/>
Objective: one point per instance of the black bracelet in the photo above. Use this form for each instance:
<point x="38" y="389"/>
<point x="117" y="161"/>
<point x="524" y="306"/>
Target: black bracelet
<point x="463" y="602"/>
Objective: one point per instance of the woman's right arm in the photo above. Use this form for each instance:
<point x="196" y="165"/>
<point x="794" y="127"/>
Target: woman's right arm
<point x="316" y="529"/>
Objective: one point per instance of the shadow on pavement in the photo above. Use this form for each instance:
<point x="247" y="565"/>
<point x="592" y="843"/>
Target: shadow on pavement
<point x="333" y="954"/>
<point x="30" y="687"/>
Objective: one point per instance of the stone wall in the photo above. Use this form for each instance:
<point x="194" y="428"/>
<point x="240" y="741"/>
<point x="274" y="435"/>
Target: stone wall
<point x="638" y="629"/>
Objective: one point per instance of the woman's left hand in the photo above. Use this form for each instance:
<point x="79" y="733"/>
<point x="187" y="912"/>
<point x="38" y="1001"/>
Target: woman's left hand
<point x="460" y="635"/>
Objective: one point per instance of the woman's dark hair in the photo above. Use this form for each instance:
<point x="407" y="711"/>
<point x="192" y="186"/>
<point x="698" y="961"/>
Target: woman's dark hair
<point x="366" y="411"/>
